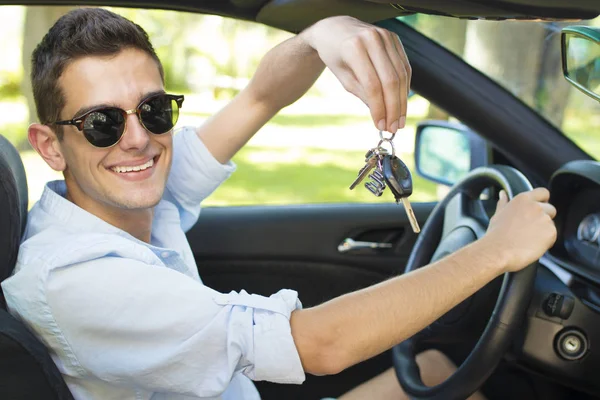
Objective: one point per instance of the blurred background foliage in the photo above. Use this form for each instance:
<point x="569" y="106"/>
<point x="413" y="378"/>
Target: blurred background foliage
<point x="210" y="59"/>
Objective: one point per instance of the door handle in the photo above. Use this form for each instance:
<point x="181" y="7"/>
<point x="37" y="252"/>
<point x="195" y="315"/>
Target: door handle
<point x="349" y="245"/>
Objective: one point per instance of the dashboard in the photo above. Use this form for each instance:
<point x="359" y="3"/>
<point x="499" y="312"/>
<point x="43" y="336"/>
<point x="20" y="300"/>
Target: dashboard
<point x="575" y="192"/>
<point x="588" y="230"/>
<point x="580" y="234"/>
<point x="562" y="328"/>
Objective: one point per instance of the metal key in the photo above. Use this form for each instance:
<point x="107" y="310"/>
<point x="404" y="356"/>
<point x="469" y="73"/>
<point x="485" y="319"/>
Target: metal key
<point x="377" y="183"/>
<point x="371" y="159"/>
<point x="398" y="177"/>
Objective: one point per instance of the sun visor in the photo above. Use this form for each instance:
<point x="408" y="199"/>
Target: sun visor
<point x="295" y="15"/>
<point x="502" y="9"/>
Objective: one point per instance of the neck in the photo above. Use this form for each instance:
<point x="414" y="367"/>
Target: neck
<point x="136" y="222"/>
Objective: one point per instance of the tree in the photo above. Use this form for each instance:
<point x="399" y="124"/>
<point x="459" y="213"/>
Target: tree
<point x="38" y="21"/>
<point x="509" y="52"/>
<point x="525" y="58"/>
<point x="552" y="93"/>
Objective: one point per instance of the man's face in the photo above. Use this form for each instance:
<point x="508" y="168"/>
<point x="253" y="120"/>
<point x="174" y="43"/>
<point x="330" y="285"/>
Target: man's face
<point x="92" y="179"/>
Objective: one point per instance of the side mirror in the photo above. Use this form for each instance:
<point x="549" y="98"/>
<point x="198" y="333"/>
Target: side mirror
<point x="580" y="46"/>
<point x="445" y="151"/>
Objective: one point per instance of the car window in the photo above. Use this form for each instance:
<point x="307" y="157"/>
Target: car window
<point x="309" y="153"/>
<point x="524" y="57"/>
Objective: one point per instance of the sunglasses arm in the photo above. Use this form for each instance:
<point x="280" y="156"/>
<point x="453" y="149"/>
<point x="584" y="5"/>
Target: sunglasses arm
<point x="78" y="123"/>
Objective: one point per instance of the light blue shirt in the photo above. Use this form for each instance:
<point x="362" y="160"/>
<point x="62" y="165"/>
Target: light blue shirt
<point x="124" y="319"/>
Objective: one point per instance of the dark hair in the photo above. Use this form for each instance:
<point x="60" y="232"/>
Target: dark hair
<point x="79" y="33"/>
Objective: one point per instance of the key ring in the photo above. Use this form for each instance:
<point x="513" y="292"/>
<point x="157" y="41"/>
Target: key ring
<point x="384" y="138"/>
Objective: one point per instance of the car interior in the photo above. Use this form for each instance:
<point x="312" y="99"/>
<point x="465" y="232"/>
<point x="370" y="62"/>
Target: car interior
<point x="526" y="335"/>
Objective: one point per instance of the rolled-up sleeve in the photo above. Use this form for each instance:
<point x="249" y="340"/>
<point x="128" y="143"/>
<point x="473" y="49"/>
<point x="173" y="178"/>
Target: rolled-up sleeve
<point x="273" y="342"/>
<point x="165" y="332"/>
<point x="194" y="175"/>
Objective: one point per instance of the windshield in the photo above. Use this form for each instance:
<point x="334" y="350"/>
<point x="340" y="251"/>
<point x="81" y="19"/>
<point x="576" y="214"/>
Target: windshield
<point x="524" y="57"/>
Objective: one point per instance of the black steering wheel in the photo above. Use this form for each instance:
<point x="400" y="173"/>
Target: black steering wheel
<point x="455" y="222"/>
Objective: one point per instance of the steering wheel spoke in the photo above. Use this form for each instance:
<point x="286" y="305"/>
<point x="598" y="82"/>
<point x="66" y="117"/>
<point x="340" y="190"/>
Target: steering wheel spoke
<point x="464" y="210"/>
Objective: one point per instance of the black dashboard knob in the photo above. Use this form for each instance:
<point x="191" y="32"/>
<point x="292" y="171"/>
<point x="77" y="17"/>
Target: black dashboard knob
<point x="558" y="305"/>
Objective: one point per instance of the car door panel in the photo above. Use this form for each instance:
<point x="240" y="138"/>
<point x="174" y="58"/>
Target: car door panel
<point x="308" y="233"/>
<point x="265" y="249"/>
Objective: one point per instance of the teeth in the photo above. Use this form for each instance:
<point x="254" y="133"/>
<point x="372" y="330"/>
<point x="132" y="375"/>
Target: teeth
<point x="134" y="168"/>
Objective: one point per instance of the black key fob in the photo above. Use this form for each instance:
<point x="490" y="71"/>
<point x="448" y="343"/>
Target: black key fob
<point x="397" y="176"/>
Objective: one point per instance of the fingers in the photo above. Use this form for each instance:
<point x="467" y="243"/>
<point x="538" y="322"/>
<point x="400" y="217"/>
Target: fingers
<point x="358" y="60"/>
<point x="351" y="84"/>
<point x="549" y="209"/>
<point x="402" y="54"/>
<point x="381" y="71"/>
<point x="393" y="74"/>
<point x="539" y="194"/>
<point x="390" y="81"/>
<point x="502" y="201"/>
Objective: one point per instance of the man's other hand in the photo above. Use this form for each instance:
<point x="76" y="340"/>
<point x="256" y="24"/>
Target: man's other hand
<point x="370" y="62"/>
<point x="522" y="228"/>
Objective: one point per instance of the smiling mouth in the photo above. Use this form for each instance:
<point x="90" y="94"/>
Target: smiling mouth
<point x="134" y="168"/>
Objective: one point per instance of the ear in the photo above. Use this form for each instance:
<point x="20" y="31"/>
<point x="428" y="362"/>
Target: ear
<point x="44" y="140"/>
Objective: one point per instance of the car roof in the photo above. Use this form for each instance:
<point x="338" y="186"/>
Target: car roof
<point x="295" y="15"/>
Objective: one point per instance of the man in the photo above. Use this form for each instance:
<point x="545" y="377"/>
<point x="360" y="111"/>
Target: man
<point x="105" y="275"/>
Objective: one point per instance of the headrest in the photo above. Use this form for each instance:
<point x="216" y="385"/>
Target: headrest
<point x="13" y="159"/>
<point x="13" y="207"/>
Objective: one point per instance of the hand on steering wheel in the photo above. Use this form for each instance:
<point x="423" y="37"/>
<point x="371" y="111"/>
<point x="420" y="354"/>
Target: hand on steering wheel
<point x="456" y="221"/>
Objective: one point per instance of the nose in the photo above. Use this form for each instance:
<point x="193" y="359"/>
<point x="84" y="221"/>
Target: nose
<point x="135" y="137"/>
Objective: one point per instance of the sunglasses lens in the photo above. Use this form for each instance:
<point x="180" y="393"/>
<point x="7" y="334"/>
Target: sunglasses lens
<point x="103" y="128"/>
<point x="159" y="114"/>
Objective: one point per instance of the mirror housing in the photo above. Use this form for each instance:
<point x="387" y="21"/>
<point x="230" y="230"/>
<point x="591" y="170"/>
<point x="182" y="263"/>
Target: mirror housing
<point x="580" y="48"/>
<point x="446" y="151"/>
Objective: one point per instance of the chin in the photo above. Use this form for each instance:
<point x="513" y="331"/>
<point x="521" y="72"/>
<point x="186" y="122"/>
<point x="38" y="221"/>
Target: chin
<point x="140" y="200"/>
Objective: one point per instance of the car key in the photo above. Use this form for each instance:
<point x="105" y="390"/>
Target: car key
<point x="377" y="183"/>
<point x="371" y="159"/>
<point x="399" y="179"/>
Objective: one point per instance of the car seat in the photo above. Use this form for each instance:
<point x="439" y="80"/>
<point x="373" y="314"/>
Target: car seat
<point x="26" y="370"/>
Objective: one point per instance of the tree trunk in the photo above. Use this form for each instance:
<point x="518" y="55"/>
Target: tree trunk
<point x="509" y="52"/>
<point x="553" y="89"/>
<point x="525" y="58"/>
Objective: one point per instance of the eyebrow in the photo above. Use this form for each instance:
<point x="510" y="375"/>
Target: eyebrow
<point x="85" y="110"/>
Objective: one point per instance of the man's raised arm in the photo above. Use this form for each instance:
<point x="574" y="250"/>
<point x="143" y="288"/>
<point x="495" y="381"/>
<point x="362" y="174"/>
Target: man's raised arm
<point x="369" y="62"/>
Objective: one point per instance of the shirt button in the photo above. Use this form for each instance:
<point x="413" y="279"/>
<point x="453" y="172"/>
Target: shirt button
<point x="165" y="254"/>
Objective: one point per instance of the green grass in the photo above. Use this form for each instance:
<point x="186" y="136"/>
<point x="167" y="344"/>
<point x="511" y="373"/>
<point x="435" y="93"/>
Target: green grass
<point x="283" y="176"/>
<point x="278" y="176"/>
<point x="303" y="176"/>
<point x="308" y="121"/>
<point x="312" y="120"/>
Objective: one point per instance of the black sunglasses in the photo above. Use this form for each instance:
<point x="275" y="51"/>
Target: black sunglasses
<point x="104" y="126"/>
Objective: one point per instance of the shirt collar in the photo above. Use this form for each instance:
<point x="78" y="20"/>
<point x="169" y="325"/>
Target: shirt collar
<point x="54" y="202"/>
